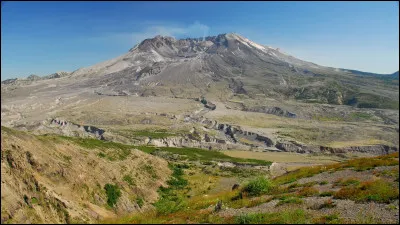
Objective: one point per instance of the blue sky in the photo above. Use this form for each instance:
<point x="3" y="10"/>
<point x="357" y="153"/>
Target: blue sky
<point x="44" y="37"/>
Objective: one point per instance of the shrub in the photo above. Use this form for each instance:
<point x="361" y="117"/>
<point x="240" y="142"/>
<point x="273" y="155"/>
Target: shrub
<point x="140" y="202"/>
<point x="113" y="193"/>
<point x="326" y="193"/>
<point x="323" y="183"/>
<point x="258" y="186"/>
<point x="34" y="200"/>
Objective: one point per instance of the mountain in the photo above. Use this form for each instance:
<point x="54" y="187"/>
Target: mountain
<point x="233" y="65"/>
<point x="34" y="77"/>
<point x="226" y="65"/>
<point x="357" y="72"/>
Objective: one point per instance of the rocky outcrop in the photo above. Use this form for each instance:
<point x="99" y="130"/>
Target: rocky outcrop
<point x="186" y="141"/>
<point x="293" y="146"/>
<point x="300" y="148"/>
<point x="371" y="149"/>
<point x="274" y="110"/>
<point x="72" y="129"/>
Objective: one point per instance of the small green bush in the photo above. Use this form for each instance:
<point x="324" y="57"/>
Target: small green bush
<point x="113" y="193"/>
<point x="140" y="202"/>
<point x="258" y="186"/>
<point x="326" y="193"/>
<point x="34" y="200"/>
<point x="323" y="183"/>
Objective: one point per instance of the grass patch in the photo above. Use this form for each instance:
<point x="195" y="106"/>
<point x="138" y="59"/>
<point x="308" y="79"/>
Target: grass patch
<point x="307" y="191"/>
<point x="323" y="182"/>
<point x="297" y="216"/>
<point x="346" y="182"/>
<point x="309" y="184"/>
<point x="153" y="134"/>
<point x="121" y="151"/>
<point x="101" y="155"/>
<point x="393" y="172"/>
<point x="150" y="170"/>
<point x="328" y="219"/>
<point x="289" y="200"/>
<point x="359" y="164"/>
<point x="194" y="154"/>
<point x="113" y="151"/>
<point x="377" y="191"/>
<point x="128" y="179"/>
<point x="360" y="115"/>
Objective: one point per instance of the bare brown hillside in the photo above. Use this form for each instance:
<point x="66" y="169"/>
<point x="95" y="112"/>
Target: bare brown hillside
<point x="47" y="179"/>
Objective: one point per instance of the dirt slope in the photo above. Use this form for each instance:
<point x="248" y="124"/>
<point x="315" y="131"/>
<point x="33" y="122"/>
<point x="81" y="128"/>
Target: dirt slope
<point x="50" y="180"/>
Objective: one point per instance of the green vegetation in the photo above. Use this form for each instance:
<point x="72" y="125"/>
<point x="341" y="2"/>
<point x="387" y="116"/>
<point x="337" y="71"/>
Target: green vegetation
<point x="34" y="200"/>
<point x="150" y="170"/>
<point x="359" y="164"/>
<point x="297" y="216"/>
<point x="323" y="182"/>
<point x="289" y="200"/>
<point x="140" y="202"/>
<point x="360" y="115"/>
<point x="326" y="193"/>
<point x="129" y="180"/>
<point x="377" y="191"/>
<point x="347" y="182"/>
<point x="112" y="151"/>
<point x="113" y="193"/>
<point x="328" y="219"/>
<point x="307" y="191"/>
<point x="258" y="186"/>
<point x="171" y="200"/>
<point x="154" y="134"/>
<point x="367" y="100"/>
<point x="194" y="154"/>
<point x="204" y="101"/>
